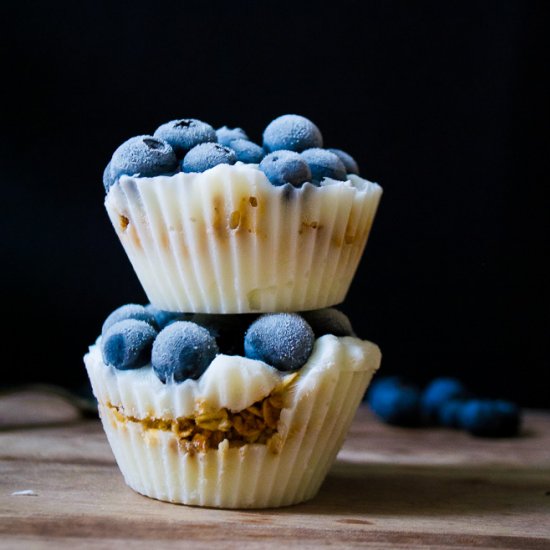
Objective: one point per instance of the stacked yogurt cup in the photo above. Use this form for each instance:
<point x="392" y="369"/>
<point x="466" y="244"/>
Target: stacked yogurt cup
<point x="236" y="385"/>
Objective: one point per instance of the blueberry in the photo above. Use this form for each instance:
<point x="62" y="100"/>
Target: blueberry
<point x="348" y="161"/>
<point x="207" y="155"/>
<point x="146" y="156"/>
<point x="395" y="401"/>
<point x="108" y="178"/>
<point x="328" y="321"/>
<point x="246" y="151"/>
<point x="488" y="418"/>
<point x="185" y="133"/>
<point x="164" y="318"/>
<point x="182" y="350"/>
<point x="285" y="167"/>
<point x="229" y="330"/>
<point x="324" y="164"/>
<point x="127" y="344"/>
<point x="283" y="340"/>
<point x="292" y="133"/>
<point x="448" y="414"/>
<point x="129" y="311"/>
<point x="226" y="135"/>
<point x="438" y="392"/>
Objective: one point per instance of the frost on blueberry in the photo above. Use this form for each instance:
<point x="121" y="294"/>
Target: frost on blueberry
<point x="207" y="155"/>
<point x="285" y="167"/>
<point x="292" y="133"/>
<point x="282" y="340"/>
<point x="185" y="133"/>
<point x="324" y="164"/>
<point x="349" y="162"/>
<point x="127" y="344"/>
<point x="182" y="350"/>
<point x="164" y="318"/>
<point x="247" y="151"/>
<point x="226" y="135"/>
<point x="146" y="156"/>
<point x="328" y="321"/>
<point x="129" y="311"/>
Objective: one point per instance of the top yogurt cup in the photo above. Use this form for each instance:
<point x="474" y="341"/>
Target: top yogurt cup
<point x="214" y="223"/>
<point x="228" y="241"/>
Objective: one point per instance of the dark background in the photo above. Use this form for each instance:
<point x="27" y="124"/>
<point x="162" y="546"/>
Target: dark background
<point x="444" y="104"/>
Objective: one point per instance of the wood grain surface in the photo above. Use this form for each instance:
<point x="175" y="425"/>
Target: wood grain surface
<point x="390" y="488"/>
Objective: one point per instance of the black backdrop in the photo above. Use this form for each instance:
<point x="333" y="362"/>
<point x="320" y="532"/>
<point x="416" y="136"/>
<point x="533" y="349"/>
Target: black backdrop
<point x="444" y="104"/>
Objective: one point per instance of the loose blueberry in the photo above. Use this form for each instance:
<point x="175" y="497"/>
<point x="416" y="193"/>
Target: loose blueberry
<point x="146" y="156"/>
<point x="246" y="151"/>
<point x="127" y="344"/>
<point x="164" y="318"/>
<point x="226" y="135"/>
<point x="108" y="178"/>
<point x="324" y="164"/>
<point x="207" y="155"/>
<point x="438" y="392"/>
<point x="129" y="311"/>
<point x="348" y="161"/>
<point x="328" y="321"/>
<point x="285" y="167"/>
<point x="291" y="133"/>
<point x="449" y="413"/>
<point x="487" y="418"/>
<point x="395" y="402"/>
<point x="182" y="350"/>
<point x="283" y="340"/>
<point x="185" y="133"/>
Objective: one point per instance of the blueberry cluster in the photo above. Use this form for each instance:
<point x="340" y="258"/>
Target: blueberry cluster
<point x="182" y="345"/>
<point x="291" y="153"/>
<point x="444" y="402"/>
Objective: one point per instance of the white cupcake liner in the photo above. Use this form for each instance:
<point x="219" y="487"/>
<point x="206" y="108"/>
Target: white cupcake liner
<point x="311" y="429"/>
<point x="227" y="241"/>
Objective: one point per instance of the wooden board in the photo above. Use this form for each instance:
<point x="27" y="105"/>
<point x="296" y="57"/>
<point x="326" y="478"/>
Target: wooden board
<point x="391" y="487"/>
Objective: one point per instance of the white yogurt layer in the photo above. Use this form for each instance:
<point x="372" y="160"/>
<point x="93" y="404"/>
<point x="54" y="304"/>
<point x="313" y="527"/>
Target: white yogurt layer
<point x="227" y="241"/>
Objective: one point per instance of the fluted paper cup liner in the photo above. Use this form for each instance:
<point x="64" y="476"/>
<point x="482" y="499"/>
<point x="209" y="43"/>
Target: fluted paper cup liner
<point x="227" y="241"/>
<point x="318" y="405"/>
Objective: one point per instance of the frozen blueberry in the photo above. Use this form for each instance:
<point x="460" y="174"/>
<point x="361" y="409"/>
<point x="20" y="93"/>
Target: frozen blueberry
<point x="438" y="392"/>
<point x="395" y="401"/>
<point x="182" y="350"/>
<point x="207" y="155"/>
<point x="108" y="178"/>
<point x="324" y="164"/>
<point x="292" y="133"/>
<point x="282" y="340"/>
<point x="246" y="151"/>
<point x="448" y="414"/>
<point x="348" y="161"/>
<point x="164" y="318"/>
<point x="129" y="311"/>
<point x="226" y="135"/>
<point x="229" y="330"/>
<point x="285" y="167"/>
<point x="127" y="344"/>
<point x="146" y="156"/>
<point x="185" y="133"/>
<point x="489" y="418"/>
<point x="328" y="321"/>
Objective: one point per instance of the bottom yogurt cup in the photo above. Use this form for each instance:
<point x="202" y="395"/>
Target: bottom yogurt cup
<point x="244" y="434"/>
